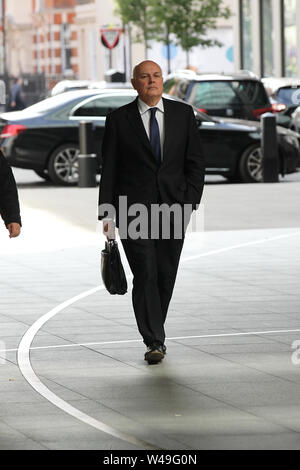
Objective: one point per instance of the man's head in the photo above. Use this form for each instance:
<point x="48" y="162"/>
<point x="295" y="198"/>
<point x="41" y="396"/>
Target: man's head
<point x="148" y="82"/>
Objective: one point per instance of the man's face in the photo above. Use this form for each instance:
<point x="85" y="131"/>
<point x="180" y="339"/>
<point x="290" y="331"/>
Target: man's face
<point x="148" y="81"/>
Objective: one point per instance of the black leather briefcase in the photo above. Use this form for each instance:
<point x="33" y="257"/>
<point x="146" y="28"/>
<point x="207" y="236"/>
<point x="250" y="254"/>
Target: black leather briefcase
<point x="112" y="270"/>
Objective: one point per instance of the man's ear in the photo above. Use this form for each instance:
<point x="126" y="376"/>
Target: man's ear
<point x="133" y="83"/>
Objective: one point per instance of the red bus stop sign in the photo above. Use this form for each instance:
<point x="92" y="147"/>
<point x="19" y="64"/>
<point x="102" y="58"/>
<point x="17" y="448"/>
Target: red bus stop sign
<point x="110" y="36"/>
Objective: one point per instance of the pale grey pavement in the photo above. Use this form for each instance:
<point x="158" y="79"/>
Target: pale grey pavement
<point x="217" y="388"/>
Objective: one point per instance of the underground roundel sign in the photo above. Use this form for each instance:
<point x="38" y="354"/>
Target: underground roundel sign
<point x="110" y="36"/>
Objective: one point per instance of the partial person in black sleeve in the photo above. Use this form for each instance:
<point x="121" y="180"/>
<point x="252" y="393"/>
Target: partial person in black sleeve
<point x="9" y="201"/>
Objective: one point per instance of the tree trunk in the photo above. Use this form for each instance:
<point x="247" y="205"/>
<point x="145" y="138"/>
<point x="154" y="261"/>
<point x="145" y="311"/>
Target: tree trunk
<point x="146" y="34"/>
<point x="124" y="50"/>
<point x="168" y="50"/>
<point x="130" y="51"/>
<point x="187" y="58"/>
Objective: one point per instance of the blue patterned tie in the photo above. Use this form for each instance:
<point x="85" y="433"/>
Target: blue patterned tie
<point x="155" y="136"/>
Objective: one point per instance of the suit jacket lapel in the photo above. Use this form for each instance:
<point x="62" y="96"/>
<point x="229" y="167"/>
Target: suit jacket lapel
<point x="169" y="131"/>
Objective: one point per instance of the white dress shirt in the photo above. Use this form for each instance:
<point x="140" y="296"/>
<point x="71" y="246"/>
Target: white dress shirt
<point x="146" y="114"/>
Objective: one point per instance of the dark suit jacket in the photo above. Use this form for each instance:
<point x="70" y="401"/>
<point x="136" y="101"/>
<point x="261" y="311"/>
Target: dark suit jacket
<point x="129" y="166"/>
<point x="9" y="202"/>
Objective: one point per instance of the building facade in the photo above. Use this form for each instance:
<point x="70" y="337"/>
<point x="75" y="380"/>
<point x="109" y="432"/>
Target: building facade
<point x="18" y="36"/>
<point x="267" y="40"/>
<point x="61" y="39"/>
<point x="54" y="39"/>
<point x="95" y="59"/>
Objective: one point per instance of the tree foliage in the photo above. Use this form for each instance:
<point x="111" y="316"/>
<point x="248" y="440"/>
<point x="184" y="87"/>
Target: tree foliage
<point x="188" y="21"/>
<point x="138" y="13"/>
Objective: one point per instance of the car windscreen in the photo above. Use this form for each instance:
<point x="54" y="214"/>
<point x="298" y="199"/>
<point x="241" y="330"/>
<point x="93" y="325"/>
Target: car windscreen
<point x="289" y="95"/>
<point x="225" y="94"/>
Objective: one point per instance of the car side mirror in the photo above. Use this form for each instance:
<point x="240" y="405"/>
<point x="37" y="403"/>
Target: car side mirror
<point x="198" y="121"/>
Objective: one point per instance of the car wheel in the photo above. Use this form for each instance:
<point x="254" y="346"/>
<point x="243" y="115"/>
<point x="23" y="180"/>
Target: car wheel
<point x="42" y="174"/>
<point x="63" y="165"/>
<point x="250" y="165"/>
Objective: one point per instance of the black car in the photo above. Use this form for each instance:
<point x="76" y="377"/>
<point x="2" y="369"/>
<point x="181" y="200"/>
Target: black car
<point x="232" y="148"/>
<point x="44" y="137"/>
<point x="240" y="95"/>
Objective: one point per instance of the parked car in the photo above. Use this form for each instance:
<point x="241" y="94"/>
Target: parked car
<point x="240" y="95"/>
<point x="44" y="137"/>
<point x="285" y="93"/>
<point x="284" y="90"/>
<point x="232" y="148"/>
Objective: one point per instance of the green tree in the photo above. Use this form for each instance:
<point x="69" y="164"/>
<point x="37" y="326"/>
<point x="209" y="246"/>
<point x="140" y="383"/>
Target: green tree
<point x="139" y="14"/>
<point x="189" y="21"/>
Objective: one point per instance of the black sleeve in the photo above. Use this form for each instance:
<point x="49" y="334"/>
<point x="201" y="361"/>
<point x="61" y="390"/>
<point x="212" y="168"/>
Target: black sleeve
<point x="194" y="162"/>
<point x="109" y="166"/>
<point x="9" y="201"/>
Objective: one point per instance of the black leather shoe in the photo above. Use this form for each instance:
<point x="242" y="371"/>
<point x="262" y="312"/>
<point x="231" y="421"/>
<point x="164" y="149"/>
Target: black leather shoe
<point x="155" y="353"/>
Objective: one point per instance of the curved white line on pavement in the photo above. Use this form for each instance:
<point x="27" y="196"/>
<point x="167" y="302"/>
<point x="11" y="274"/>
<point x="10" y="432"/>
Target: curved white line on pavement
<point x="29" y="374"/>
<point x="23" y="354"/>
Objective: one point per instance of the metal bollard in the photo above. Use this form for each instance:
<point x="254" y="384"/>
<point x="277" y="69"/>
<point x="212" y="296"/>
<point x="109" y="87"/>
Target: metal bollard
<point x="269" y="147"/>
<point x="86" y="159"/>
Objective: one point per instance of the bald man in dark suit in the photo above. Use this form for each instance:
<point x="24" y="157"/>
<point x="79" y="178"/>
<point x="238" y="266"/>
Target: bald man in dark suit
<point x="152" y="155"/>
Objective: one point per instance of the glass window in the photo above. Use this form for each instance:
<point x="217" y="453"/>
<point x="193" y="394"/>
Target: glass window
<point x="247" y="32"/>
<point x="287" y="95"/>
<point x="214" y="95"/>
<point x="267" y="38"/>
<point x="66" y="46"/>
<point x="49" y="104"/>
<point x="217" y="94"/>
<point x="102" y="106"/>
<point x="290" y="38"/>
<point x="176" y="87"/>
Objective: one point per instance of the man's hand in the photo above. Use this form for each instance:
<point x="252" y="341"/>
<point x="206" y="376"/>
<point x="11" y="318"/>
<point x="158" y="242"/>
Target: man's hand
<point x="109" y="228"/>
<point x="14" y="229"/>
<point x="13" y="104"/>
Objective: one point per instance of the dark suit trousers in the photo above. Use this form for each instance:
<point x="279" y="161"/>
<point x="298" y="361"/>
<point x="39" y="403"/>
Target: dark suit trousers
<point x="154" y="265"/>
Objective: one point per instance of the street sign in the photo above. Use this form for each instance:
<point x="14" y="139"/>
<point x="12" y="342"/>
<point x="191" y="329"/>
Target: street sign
<point x="110" y="36"/>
